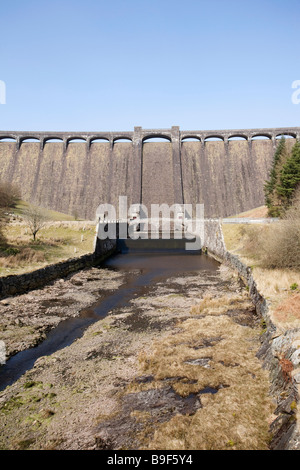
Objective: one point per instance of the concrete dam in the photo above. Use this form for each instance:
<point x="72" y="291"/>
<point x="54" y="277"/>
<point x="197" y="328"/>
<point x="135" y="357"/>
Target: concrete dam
<point x="74" y="172"/>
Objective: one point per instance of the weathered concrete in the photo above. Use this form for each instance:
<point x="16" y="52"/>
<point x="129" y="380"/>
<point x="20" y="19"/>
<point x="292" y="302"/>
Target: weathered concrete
<point x="76" y="176"/>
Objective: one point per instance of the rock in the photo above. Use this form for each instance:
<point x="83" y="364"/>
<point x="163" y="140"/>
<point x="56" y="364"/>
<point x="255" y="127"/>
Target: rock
<point x="295" y="357"/>
<point x="204" y="362"/>
<point x="103" y="442"/>
<point x="297" y="378"/>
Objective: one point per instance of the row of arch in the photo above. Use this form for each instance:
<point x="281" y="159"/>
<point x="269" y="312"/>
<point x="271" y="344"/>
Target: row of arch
<point x="159" y="138"/>
<point x="232" y="137"/>
<point x="44" y="140"/>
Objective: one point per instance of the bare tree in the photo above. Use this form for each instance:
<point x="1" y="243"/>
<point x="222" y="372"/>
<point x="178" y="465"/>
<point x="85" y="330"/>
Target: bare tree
<point x="35" y="219"/>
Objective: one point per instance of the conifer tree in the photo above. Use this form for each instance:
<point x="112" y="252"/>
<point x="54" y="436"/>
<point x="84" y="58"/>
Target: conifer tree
<point x="290" y="176"/>
<point x="272" y="198"/>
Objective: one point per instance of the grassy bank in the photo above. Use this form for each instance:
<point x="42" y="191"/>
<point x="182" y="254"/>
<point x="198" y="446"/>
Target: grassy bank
<point x="280" y="286"/>
<point x="61" y="238"/>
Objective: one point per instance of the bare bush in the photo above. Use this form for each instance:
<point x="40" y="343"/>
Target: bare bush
<point x="281" y="246"/>
<point x="35" y="219"/>
<point x="9" y="195"/>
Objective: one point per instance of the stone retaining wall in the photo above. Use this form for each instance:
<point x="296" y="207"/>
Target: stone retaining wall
<point x="279" y="350"/>
<point x="21" y="283"/>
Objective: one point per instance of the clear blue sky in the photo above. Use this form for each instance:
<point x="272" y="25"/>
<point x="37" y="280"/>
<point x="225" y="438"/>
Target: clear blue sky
<point x="99" y="65"/>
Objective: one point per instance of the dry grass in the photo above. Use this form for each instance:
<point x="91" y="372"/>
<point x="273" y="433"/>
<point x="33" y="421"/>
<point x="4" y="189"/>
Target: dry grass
<point x="246" y="240"/>
<point x="56" y="242"/>
<point x="26" y="256"/>
<point x="257" y="246"/>
<point x="235" y="417"/>
<point x="22" y="206"/>
<point x="275" y="245"/>
<point x="218" y="305"/>
<point x="288" y="312"/>
<point x="257" y="213"/>
<point x="275" y="284"/>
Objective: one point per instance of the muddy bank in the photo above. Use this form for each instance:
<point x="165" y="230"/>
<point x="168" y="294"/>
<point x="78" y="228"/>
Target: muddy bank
<point x="26" y="319"/>
<point x="147" y="372"/>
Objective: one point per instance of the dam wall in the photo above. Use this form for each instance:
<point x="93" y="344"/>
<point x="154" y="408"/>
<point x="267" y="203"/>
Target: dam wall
<point x="75" y="172"/>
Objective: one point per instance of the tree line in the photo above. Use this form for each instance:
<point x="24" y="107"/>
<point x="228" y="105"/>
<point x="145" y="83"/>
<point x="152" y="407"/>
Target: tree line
<point x="283" y="186"/>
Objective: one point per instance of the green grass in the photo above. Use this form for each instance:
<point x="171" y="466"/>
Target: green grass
<point x="52" y="215"/>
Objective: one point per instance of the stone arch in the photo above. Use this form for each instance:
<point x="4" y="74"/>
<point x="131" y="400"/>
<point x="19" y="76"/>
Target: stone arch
<point x="213" y="138"/>
<point x="157" y="137"/>
<point x="53" y="139"/>
<point x="8" y="138"/>
<point x="288" y="135"/>
<point x="191" y="138"/>
<point x="99" y="140"/>
<point x="237" y="137"/>
<point x="75" y="139"/>
<point x="261" y="136"/>
<point x="122" y="138"/>
<point x="29" y="139"/>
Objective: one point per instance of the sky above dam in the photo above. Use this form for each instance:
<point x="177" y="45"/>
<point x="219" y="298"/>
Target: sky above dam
<point x="95" y="65"/>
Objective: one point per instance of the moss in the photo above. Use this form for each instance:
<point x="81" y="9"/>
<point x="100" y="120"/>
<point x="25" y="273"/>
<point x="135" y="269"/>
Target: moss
<point x="263" y="324"/>
<point x="31" y="384"/>
<point x="230" y="443"/>
<point x="12" y="404"/>
<point x="293" y="405"/>
<point x="25" y="444"/>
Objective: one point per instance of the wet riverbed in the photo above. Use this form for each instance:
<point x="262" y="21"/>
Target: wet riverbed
<point x="140" y="271"/>
<point x="150" y="351"/>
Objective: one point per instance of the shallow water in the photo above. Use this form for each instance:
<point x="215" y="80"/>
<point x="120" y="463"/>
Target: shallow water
<point x="141" y="270"/>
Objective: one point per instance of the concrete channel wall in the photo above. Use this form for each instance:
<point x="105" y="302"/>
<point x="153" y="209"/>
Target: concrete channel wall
<point x="279" y="350"/>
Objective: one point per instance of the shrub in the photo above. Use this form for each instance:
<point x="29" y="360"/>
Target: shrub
<point x="281" y="244"/>
<point x="9" y="195"/>
<point x="294" y="286"/>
